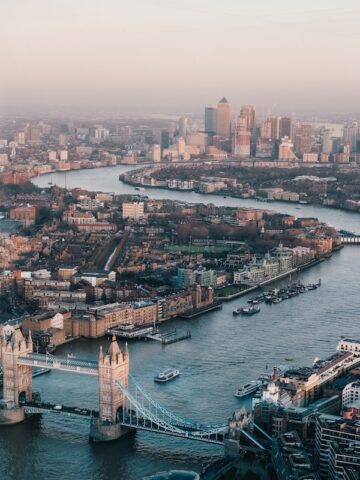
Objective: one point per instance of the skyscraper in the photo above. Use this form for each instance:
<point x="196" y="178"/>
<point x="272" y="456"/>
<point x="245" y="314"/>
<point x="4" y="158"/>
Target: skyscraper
<point x="241" y="138"/>
<point x="223" y="118"/>
<point x="303" y="139"/>
<point x="210" y="120"/>
<point x="327" y="143"/>
<point x="248" y="111"/>
<point x="286" y="128"/>
<point x="183" y="126"/>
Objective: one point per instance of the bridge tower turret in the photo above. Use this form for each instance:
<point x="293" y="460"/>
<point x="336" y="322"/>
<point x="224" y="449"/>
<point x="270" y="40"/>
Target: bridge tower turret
<point x="17" y="379"/>
<point x="113" y="365"/>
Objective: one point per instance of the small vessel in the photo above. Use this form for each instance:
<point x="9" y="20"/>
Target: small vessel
<point x="167" y="375"/>
<point x="250" y="310"/>
<point x="140" y="189"/>
<point x="251" y="387"/>
<point x="247" y="310"/>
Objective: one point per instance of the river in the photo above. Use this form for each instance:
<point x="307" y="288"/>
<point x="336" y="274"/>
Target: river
<point x="223" y="353"/>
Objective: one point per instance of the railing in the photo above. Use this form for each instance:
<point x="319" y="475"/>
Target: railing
<point x="144" y="413"/>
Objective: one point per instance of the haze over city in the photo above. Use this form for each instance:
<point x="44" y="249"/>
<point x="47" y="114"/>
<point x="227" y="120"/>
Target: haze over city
<point x="163" y="56"/>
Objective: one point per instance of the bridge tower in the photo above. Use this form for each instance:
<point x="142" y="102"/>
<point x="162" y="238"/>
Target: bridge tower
<point x="17" y="379"/>
<point x="113" y="365"/>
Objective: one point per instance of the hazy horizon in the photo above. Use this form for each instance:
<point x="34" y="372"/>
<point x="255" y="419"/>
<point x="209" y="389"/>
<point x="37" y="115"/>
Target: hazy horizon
<point x="163" y="56"/>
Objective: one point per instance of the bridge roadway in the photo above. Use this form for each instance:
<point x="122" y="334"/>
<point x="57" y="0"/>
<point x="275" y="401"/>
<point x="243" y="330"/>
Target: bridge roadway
<point x="72" y="365"/>
<point x="35" y="407"/>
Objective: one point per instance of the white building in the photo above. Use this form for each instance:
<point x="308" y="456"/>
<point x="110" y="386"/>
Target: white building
<point x="351" y="394"/>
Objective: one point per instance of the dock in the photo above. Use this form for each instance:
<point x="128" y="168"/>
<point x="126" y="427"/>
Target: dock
<point x="166" y="338"/>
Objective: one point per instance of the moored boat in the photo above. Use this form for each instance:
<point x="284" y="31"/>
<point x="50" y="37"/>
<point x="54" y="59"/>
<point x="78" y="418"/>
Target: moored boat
<point x="250" y="387"/>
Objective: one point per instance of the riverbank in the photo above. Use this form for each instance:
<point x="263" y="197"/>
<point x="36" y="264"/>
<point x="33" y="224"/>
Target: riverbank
<point x="128" y="179"/>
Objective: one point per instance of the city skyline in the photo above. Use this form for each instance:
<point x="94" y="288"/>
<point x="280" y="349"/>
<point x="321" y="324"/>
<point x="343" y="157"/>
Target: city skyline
<point x="161" y="57"/>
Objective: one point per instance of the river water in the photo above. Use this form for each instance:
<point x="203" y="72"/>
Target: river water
<point x="223" y="353"/>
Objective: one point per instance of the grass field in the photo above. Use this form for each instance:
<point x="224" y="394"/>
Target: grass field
<point x="199" y="248"/>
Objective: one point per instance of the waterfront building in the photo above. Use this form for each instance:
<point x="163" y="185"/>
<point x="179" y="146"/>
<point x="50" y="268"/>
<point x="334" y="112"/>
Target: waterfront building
<point x="349" y="345"/>
<point x="133" y="210"/>
<point x="223" y="118"/>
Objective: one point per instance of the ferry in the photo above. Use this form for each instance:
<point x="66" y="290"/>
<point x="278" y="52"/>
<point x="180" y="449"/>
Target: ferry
<point x="251" y="387"/>
<point x="167" y="375"/>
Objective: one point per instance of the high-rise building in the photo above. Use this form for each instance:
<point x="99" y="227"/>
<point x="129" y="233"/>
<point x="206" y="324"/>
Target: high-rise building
<point x="241" y="139"/>
<point x="327" y="142"/>
<point x="165" y="139"/>
<point x="351" y="135"/>
<point x="248" y="111"/>
<point x="210" y="119"/>
<point x="156" y="153"/>
<point x="266" y="128"/>
<point x="183" y="126"/>
<point x="223" y="118"/>
<point x="303" y="139"/>
<point x="286" y="128"/>
<point x="275" y="127"/>
<point x="286" y="150"/>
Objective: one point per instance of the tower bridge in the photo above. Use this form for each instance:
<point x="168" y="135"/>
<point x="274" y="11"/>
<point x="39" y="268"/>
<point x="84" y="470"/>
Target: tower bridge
<point x="124" y="404"/>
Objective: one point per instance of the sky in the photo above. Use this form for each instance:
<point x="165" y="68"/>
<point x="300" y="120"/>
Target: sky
<point x="178" y="55"/>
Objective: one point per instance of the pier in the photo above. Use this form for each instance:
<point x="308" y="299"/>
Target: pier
<point x="167" y="338"/>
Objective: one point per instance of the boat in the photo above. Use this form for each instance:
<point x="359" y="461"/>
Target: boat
<point x="167" y="375"/>
<point x="251" y="387"/>
<point x="140" y="189"/>
<point x="250" y="310"/>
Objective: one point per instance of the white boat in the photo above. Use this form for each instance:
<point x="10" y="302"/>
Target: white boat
<point x="248" y="388"/>
<point x="167" y="375"/>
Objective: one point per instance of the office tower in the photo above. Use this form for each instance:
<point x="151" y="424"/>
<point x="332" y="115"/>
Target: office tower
<point x="303" y="139"/>
<point x="165" y="139"/>
<point x="286" y="150"/>
<point x="156" y="153"/>
<point x="351" y="135"/>
<point x="248" y="111"/>
<point x="62" y="139"/>
<point x="241" y="138"/>
<point x="223" y="118"/>
<point x="286" y="128"/>
<point x="327" y="142"/>
<point x="20" y="138"/>
<point x="210" y="119"/>
<point x="275" y="127"/>
<point x="183" y="126"/>
<point x="266" y="129"/>
<point x="34" y="134"/>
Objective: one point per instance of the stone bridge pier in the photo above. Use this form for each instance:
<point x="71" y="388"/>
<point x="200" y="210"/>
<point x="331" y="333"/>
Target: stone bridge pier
<point x="17" y="379"/>
<point x="113" y="365"/>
